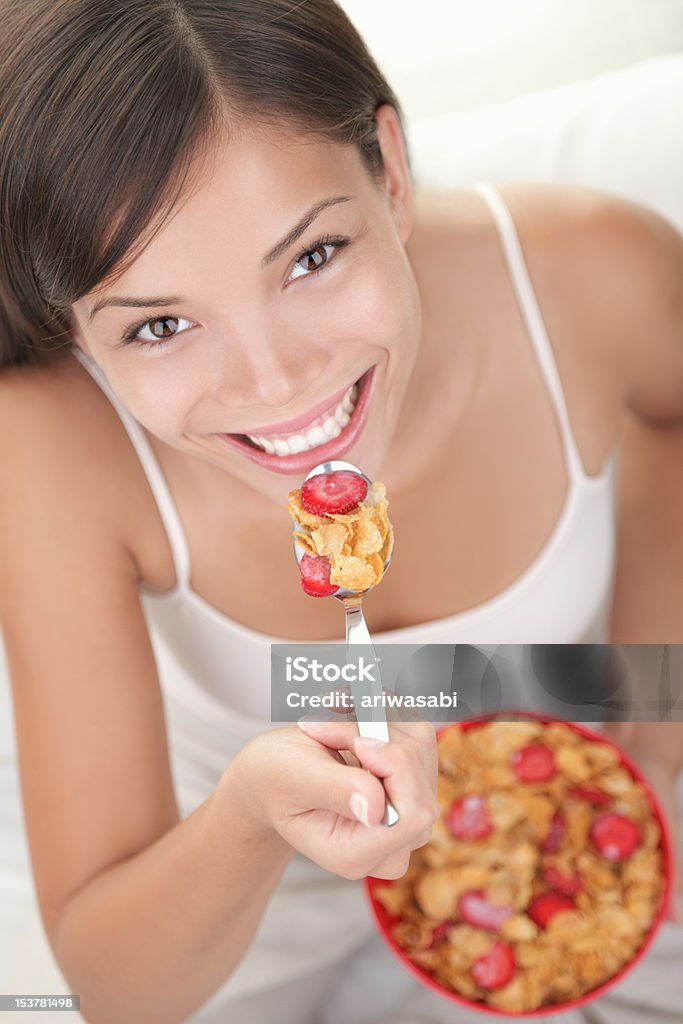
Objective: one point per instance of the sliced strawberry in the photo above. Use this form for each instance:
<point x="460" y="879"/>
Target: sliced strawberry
<point x="495" y="969"/>
<point x="469" y="818"/>
<point x="533" y="763"/>
<point x="315" y="575"/>
<point x="440" y="932"/>
<point x="615" y="836"/>
<point x="544" y="907"/>
<point x="555" y="835"/>
<point x="474" y="908"/>
<point x="567" y="884"/>
<point x="336" y="492"/>
<point x="593" y="796"/>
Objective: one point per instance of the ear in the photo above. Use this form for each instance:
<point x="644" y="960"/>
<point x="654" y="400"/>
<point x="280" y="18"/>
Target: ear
<point x="397" y="180"/>
<point x="77" y="337"/>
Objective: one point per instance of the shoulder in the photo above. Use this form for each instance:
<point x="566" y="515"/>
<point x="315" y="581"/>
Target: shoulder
<point x="65" y="457"/>
<point x="616" y="267"/>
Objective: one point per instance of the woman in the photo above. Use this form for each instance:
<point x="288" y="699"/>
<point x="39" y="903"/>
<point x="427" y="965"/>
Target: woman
<point x="198" y="161"/>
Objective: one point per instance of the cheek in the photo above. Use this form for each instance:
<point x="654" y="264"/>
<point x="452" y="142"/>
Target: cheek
<point x="373" y="305"/>
<point x="159" y="397"/>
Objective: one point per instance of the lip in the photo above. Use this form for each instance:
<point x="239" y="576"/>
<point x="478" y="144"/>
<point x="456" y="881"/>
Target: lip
<point x="301" y="421"/>
<point x="334" y="449"/>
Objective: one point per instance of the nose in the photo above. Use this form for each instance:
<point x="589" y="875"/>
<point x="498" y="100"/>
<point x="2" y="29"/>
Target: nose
<point x="270" y="366"/>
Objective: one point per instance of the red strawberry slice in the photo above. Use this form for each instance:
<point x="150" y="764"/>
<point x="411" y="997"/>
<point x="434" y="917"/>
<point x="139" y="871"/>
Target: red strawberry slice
<point x="593" y="796"/>
<point x="337" y="492"/>
<point x="555" y="835"/>
<point x="567" y="884"/>
<point x="495" y="969"/>
<point x="615" y="836"/>
<point x="533" y="763"/>
<point x="545" y="906"/>
<point x="474" y="908"/>
<point x="315" y="575"/>
<point x="440" y="932"/>
<point x="469" y="818"/>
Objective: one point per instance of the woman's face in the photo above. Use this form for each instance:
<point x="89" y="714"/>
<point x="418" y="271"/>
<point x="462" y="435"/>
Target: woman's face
<point x="280" y="282"/>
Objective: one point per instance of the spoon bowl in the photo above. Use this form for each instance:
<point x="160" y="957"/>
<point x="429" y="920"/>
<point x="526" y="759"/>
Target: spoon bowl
<point x="341" y="593"/>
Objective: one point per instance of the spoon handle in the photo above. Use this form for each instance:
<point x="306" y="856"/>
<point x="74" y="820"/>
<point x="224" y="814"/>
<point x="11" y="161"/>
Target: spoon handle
<point x="357" y="634"/>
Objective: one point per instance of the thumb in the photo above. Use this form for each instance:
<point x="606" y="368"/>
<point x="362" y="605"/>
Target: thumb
<point x="336" y="734"/>
<point x="327" y="784"/>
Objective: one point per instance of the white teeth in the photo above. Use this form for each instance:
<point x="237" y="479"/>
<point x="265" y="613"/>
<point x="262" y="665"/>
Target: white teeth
<point x="316" y="435"/>
<point x="330" y="429"/>
<point x="341" y="416"/>
<point x="298" y="443"/>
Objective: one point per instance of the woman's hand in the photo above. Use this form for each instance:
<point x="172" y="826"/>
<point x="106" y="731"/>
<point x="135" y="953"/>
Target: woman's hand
<point x="657" y="749"/>
<point x="296" y="782"/>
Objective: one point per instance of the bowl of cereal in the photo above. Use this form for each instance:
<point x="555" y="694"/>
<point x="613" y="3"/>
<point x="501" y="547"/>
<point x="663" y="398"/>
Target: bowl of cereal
<point x="547" y="874"/>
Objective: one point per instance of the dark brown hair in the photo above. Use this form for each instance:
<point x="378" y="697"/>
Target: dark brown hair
<point x="105" y="106"/>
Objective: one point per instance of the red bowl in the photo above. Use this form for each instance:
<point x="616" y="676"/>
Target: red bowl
<point x="385" y="921"/>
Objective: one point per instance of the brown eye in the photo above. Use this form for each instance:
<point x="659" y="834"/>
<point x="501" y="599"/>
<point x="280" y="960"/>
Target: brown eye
<point x="158" y="331"/>
<point x="315" y="259"/>
<point x="161" y="328"/>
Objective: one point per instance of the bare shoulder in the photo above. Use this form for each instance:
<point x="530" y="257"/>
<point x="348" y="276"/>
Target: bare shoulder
<point x="59" y="434"/>
<point x="615" y="268"/>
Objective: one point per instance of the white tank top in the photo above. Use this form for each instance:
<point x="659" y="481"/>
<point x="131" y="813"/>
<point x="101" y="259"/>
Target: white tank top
<point x="215" y="672"/>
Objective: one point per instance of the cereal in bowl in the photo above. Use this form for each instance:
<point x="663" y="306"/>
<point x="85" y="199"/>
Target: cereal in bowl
<point x="544" y="873"/>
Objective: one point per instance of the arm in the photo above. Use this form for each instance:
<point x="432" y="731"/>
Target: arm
<point x="648" y="598"/>
<point x="146" y="915"/>
<point x="648" y="592"/>
<point x="153" y="937"/>
<point x="648" y="295"/>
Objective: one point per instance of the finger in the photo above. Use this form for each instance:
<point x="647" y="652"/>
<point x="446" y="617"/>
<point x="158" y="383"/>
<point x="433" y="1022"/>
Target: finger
<point x="324" y="782"/>
<point x="339" y="735"/>
<point x="423" y="735"/>
<point x="401" y="768"/>
<point x="394" y="866"/>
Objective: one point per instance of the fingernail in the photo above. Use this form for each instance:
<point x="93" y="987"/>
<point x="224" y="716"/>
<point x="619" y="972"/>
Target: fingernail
<point x="370" y="743"/>
<point x="359" y="807"/>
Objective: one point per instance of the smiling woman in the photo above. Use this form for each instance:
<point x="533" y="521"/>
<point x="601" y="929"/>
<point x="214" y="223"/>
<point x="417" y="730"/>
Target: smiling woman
<point x="209" y="204"/>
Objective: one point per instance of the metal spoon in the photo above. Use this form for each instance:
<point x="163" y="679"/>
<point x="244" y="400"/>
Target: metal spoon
<point x="357" y="634"/>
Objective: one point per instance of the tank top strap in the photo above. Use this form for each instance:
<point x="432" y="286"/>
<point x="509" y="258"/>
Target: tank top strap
<point x="152" y="470"/>
<point x="528" y="303"/>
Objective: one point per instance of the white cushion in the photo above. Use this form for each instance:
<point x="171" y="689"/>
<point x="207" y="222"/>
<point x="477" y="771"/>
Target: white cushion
<point x="447" y="55"/>
<point x="620" y="131"/>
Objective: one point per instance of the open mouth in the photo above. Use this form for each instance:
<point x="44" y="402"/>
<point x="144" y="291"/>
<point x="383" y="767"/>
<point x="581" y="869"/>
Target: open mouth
<point x="327" y="436"/>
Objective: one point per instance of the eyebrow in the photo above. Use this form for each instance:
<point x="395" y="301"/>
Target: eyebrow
<point x="273" y="254"/>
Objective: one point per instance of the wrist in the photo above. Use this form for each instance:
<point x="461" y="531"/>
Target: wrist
<point x="242" y="809"/>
